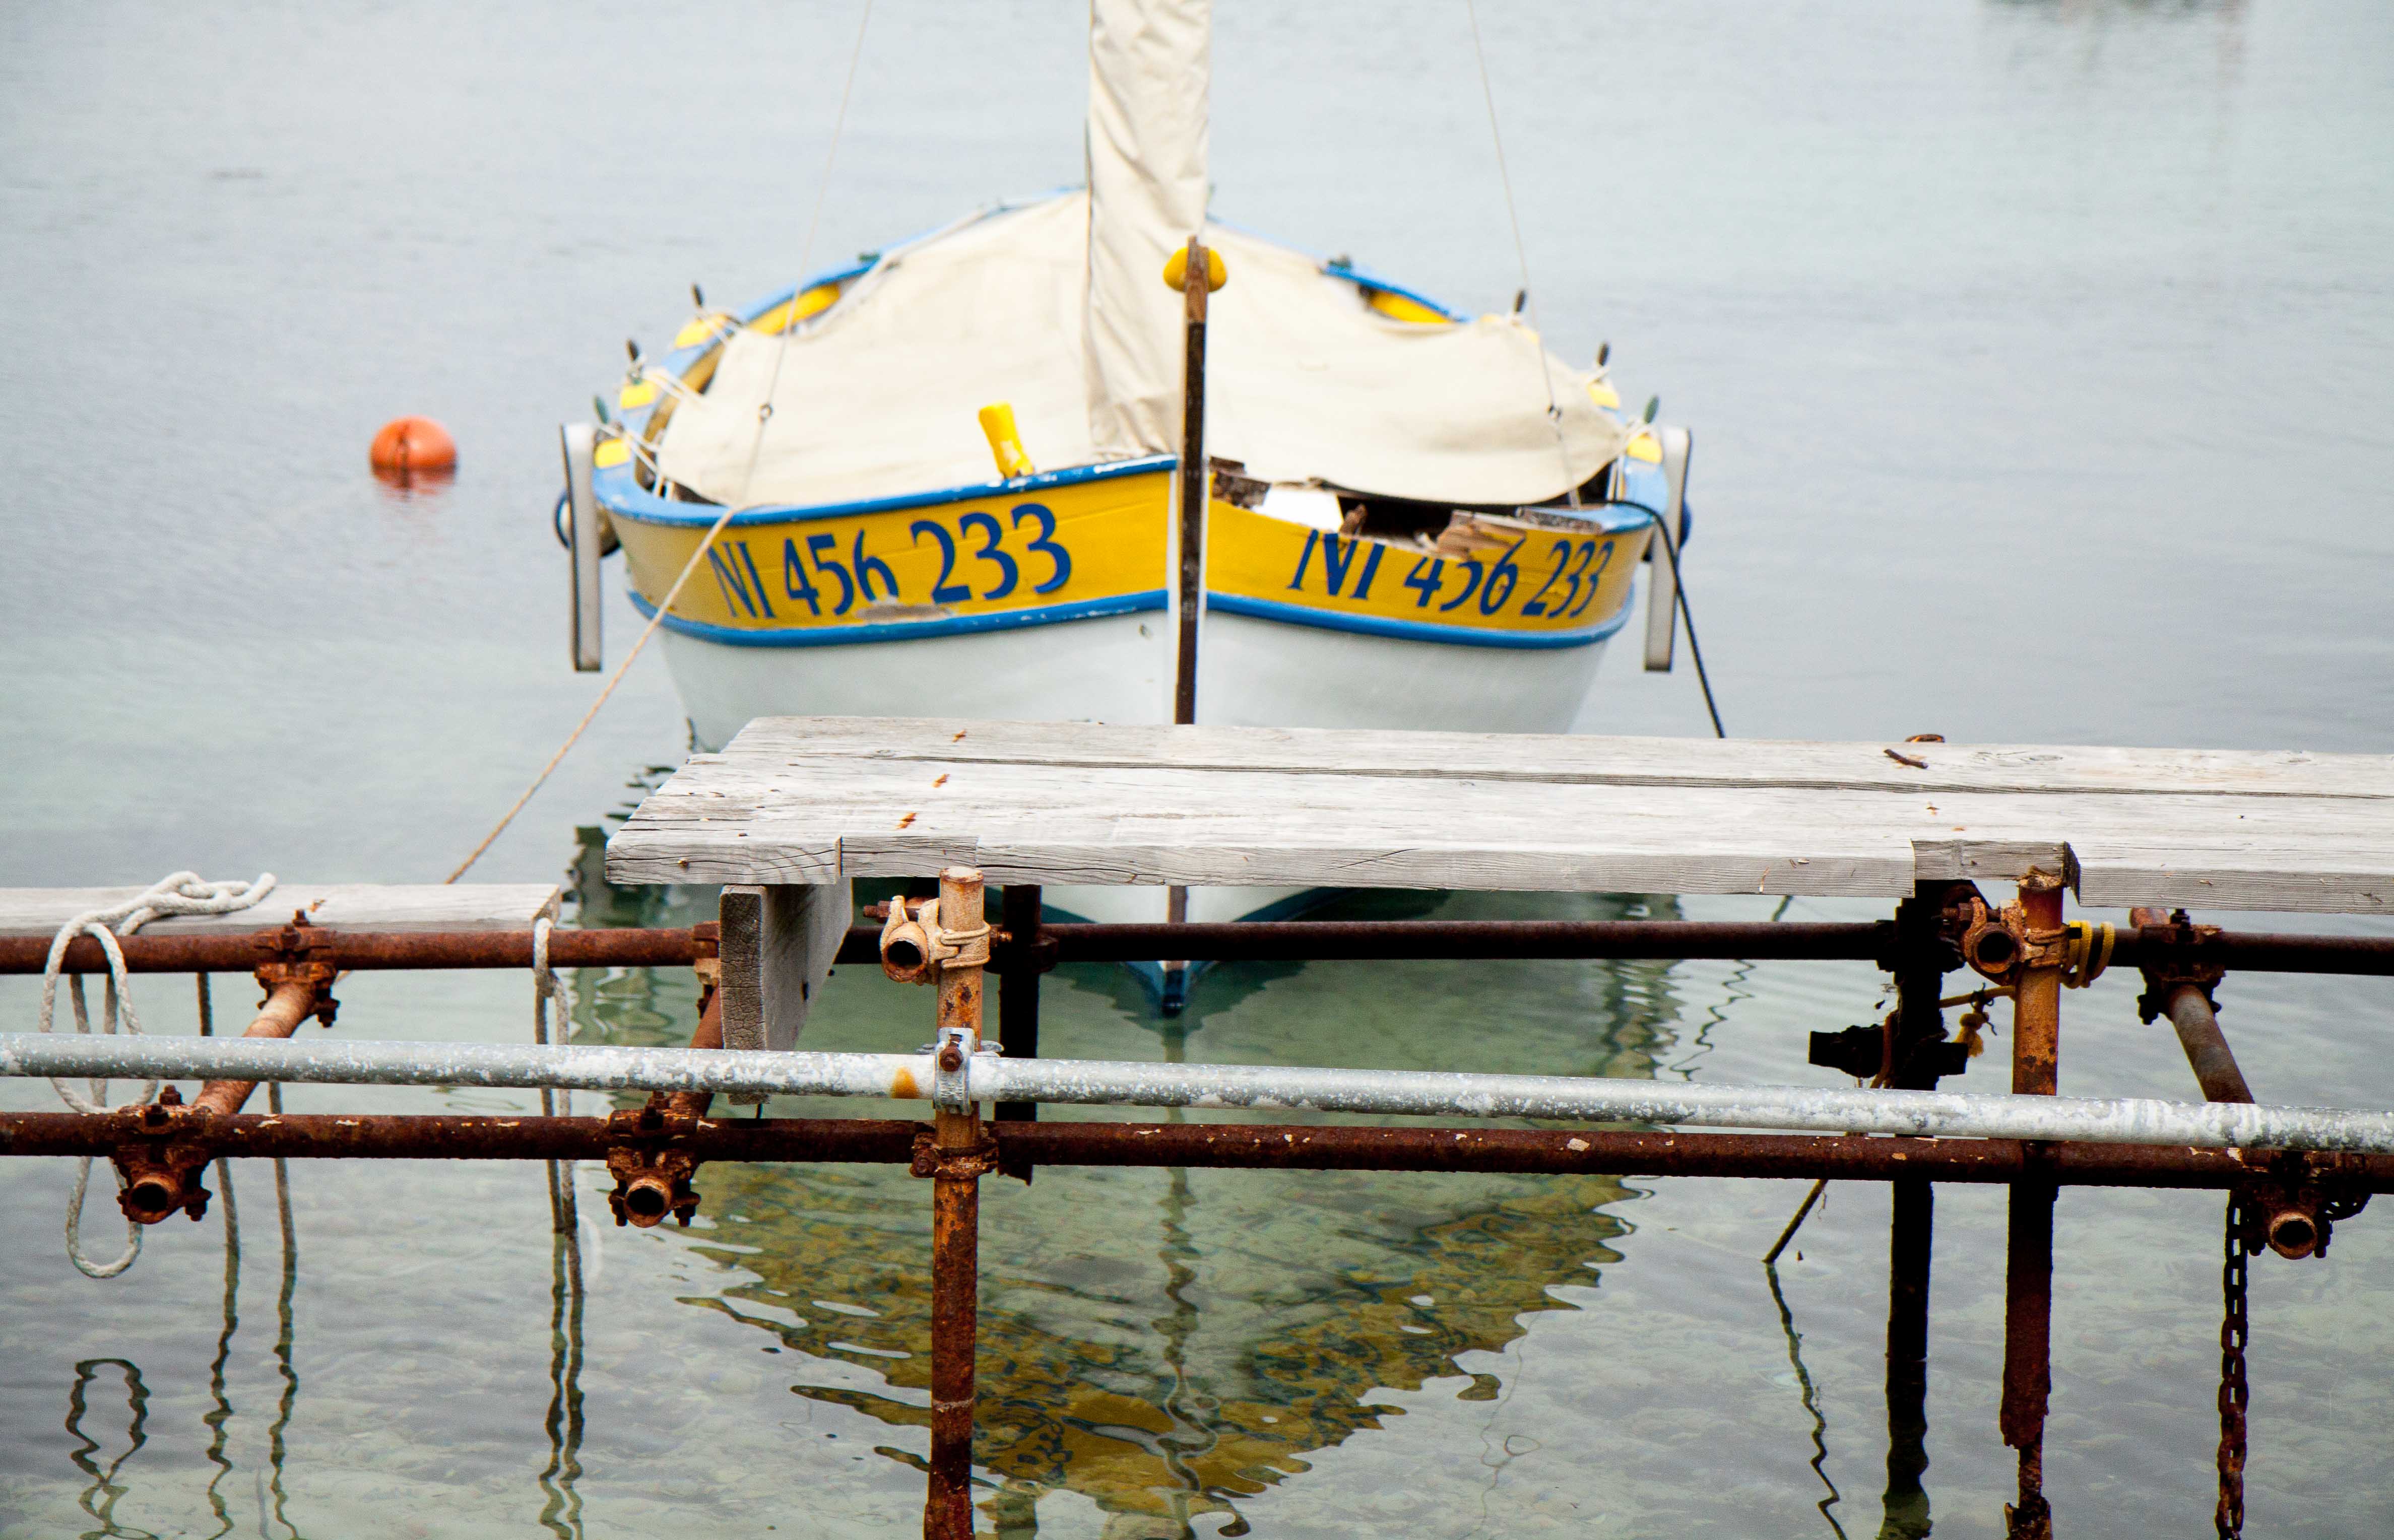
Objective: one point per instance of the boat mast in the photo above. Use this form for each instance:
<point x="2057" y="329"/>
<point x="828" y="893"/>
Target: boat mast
<point x="1148" y="67"/>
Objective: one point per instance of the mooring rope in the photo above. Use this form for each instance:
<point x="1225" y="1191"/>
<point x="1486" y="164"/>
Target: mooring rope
<point x="184" y="893"/>
<point x="564" y="1214"/>
<point x="765" y="412"/>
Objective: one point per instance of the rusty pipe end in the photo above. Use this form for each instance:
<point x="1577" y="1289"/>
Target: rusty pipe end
<point x="154" y="1193"/>
<point x="1991" y="950"/>
<point x="906" y="941"/>
<point x="2295" y="1232"/>
<point x="645" y="1202"/>
<point x="906" y="953"/>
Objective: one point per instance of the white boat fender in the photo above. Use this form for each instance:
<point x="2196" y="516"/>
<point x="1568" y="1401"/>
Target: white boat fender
<point x="588" y="538"/>
<point x="1663" y="586"/>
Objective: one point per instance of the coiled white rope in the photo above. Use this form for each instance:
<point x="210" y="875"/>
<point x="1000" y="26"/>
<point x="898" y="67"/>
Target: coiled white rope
<point x="184" y="893"/>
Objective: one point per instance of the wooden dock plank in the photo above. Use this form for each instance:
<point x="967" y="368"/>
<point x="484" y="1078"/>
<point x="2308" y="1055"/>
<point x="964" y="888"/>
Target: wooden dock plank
<point x="347" y="906"/>
<point x="799" y="801"/>
<point x="1546" y="757"/>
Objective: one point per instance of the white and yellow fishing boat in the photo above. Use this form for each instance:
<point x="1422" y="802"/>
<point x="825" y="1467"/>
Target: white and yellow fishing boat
<point x="954" y="466"/>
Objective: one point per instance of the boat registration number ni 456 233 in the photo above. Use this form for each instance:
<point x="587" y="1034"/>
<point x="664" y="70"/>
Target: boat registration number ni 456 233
<point x="1075" y="549"/>
<point x="1544" y="582"/>
<point x="1052" y="552"/>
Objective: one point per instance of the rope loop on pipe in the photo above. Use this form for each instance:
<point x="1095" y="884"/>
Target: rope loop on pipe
<point x="183" y="892"/>
<point x="2087" y="952"/>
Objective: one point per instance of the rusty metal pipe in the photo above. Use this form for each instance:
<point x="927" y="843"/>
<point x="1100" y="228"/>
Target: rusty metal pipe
<point x="2259" y="952"/>
<point x="1017" y="991"/>
<point x="1759" y="941"/>
<point x="708" y="1034"/>
<point x="1261" y="941"/>
<point x="1254" y="1146"/>
<point x="288" y="1003"/>
<point x="2028" y="1291"/>
<point x="349" y="952"/>
<point x="2197" y="1025"/>
<point x="2206" y="1047"/>
<point x="958" y="1158"/>
<point x="1303" y="940"/>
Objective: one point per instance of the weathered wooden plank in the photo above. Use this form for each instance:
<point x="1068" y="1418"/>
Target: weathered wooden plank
<point x="1067" y="803"/>
<point x="777" y="945"/>
<point x="348" y="906"/>
<point x="874" y="805"/>
<point x="1639" y="761"/>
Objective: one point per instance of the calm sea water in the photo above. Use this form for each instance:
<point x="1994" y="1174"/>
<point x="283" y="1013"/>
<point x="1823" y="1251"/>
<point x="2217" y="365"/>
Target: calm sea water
<point x="2037" y="355"/>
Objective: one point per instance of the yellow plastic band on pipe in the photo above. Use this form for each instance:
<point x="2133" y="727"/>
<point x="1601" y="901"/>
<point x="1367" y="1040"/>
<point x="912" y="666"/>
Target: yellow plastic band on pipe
<point x="1004" y="443"/>
<point x="1175" y="270"/>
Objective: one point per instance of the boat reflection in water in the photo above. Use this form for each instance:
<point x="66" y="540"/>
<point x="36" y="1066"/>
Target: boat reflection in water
<point x="1162" y="1341"/>
<point x="1169" y="1342"/>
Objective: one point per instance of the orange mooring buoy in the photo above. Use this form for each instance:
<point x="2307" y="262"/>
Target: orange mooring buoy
<point x="412" y="446"/>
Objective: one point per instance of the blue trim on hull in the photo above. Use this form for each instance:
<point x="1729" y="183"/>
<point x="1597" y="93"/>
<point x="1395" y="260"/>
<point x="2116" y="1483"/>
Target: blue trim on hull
<point x="903" y="631"/>
<point x="1409" y="631"/>
<point x="623" y="495"/>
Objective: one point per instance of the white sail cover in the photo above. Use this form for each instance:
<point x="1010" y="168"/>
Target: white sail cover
<point x="1306" y="382"/>
<point x="1148" y="68"/>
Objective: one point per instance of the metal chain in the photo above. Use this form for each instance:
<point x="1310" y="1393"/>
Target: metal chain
<point x="2234" y="1395"/>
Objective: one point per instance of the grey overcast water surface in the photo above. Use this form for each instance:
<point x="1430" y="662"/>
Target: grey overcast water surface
<point x="2037" y="357"/>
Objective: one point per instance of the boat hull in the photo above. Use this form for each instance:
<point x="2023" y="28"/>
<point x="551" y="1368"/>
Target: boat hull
<point x="1256" y="673"/>
<point x="1047" y="597"/>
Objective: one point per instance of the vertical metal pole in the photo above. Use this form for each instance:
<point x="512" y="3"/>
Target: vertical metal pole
<point x="1196" y="487"/>
<point x="2027" y="1295"/>
<point x="956" y="1238"/>
<point x="1909" y="1231"/>
<point x="1018" y="993"/>
<point x="1920" y="981"/>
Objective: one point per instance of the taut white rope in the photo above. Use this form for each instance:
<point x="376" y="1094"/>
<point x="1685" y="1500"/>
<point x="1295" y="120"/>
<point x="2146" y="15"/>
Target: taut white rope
<point x="184" y="893"/>
<point x="562" y="1214"/>
<point x="839" y="124"/>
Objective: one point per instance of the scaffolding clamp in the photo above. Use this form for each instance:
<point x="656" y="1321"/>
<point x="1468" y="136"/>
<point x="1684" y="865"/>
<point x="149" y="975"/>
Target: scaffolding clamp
<point x="652" y="1180"/>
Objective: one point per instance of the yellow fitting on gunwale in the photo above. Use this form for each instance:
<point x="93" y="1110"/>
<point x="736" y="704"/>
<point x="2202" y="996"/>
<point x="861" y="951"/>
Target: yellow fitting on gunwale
<point x="1004" y="443"/>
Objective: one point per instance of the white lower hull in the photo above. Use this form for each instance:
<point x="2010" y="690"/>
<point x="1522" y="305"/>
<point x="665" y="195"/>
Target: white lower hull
<point x="1118" y="668"/>
<point x="1256" y="673"/>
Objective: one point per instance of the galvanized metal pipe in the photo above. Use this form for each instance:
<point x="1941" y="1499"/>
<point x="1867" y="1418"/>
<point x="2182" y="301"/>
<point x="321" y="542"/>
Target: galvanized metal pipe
<point x="574" y="1067"/>
<point x="1113" y="1083"/>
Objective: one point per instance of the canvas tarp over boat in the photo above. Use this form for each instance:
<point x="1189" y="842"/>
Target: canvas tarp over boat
<point x="878" y="395"/>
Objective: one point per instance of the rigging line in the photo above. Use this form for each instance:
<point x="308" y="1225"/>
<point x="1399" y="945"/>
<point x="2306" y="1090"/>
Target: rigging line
<point x="1695" y="648"/>
<point x="1669" y="547"/>
<point x="1521" y="254"/>
<point x="765" y="412"/>
<point x="807" y="252"/>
